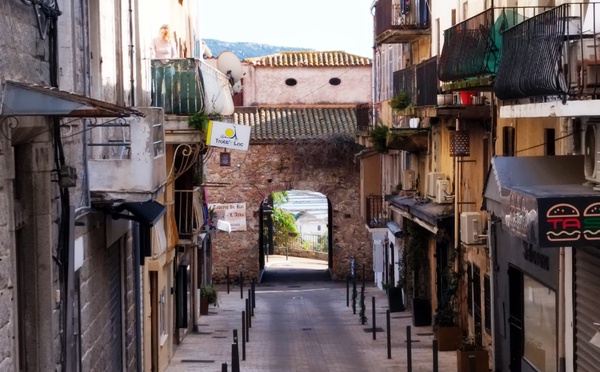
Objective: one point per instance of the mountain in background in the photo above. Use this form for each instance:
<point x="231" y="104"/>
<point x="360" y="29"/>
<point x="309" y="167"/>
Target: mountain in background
<point x="245" y="50"/>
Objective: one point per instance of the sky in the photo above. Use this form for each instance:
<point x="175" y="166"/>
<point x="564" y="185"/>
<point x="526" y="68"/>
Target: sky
<point x="322" y="25"/>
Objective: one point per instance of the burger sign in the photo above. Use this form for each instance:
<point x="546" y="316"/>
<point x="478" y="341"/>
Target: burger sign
<point x="569" y="222"/>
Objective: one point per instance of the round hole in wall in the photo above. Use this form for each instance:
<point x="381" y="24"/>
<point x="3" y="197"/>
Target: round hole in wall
<point x="335" y="81"/>
<point x="291" y="82"/>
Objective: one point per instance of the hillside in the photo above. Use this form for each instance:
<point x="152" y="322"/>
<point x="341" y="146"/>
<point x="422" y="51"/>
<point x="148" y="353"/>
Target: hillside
<point x="245" y="50"/>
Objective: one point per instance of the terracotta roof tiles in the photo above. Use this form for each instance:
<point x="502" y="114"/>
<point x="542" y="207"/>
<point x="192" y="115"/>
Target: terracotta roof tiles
<point x="291" y="123"/>
<point x="309" y="59"/>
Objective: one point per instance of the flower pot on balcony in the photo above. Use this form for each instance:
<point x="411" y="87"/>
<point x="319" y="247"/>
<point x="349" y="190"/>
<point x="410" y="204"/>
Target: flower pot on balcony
<point x="203" y="305"/>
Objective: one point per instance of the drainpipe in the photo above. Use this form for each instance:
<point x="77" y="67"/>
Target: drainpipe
<point x="137" y="295"/>
<point x="131" y="62"/>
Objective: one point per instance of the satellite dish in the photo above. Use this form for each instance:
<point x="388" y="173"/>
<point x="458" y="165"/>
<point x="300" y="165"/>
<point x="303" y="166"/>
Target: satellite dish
<point x="230" y="65"/>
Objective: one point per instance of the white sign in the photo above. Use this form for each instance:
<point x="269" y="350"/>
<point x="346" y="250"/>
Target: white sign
<point x="228" y="135"/>
<point x="234" y="213"/>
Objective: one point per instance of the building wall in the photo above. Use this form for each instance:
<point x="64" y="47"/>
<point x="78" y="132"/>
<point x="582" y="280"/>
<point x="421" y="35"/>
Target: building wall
<point x="263" y="169"/>
<point x="312" y="85"/>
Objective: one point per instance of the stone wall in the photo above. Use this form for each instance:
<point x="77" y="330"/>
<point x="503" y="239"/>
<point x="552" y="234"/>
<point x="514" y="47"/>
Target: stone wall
<point x="264" y="169"/>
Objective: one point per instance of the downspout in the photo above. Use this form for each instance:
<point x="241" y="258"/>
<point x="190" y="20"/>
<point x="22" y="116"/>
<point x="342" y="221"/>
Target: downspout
<point x="137" y="295"/>
<point x="131" y="59"/>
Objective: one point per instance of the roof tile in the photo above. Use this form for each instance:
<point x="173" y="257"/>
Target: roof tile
<point x="309" y="59"/>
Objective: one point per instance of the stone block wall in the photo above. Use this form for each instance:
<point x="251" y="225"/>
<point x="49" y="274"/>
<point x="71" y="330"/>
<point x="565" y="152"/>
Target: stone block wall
<point x="267" y="168"/>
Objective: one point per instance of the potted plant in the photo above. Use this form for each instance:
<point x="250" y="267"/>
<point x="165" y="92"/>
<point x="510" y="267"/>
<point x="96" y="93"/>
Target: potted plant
<point x="395" y="297"/>
<point x="400" y="101"/>
<point x="467" y="348"/>
<point x="417" y="264"/>
<point x="378" y="137"/>
<point x="208" y="296"/>
<point x="445" y="325"/>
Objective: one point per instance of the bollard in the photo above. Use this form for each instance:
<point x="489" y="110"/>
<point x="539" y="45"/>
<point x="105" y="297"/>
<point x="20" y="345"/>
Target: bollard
<point x="253" y="294"/>
<point x="363" y="314"/>
<point x="374" y="322"/>
<point x="235" y="336"/>
<point x="472" y="363"/>
<point x="408" y="350"/>
<point x="241" y="286"/>
<point x="223" y="367"/>
<point x="363" y="276"/>
<point x="435" y="355"/>
<point x="389" y="334"/>
<point x="347" y="292"/>
<point x="227" y="277"/>
<point x="354" y="294"/>
<point x="243" y="335"/>
<point x="249" y="320"/>
<point x="235" y="358"/>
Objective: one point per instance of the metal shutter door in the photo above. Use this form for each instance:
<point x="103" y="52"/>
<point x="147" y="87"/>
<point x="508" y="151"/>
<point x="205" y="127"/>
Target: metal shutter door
<point x="587" y="308"/>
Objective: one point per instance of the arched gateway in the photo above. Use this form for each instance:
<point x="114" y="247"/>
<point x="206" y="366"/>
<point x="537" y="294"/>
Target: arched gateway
<point x="290" y="148"/>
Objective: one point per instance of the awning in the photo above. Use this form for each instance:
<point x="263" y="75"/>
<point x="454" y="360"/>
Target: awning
<point x="147" y="213"/>
<point x="429" y="215"/>
<point x="21" y="99"/>
<point x="394" y="228"/>
<point x="544" y="200"/>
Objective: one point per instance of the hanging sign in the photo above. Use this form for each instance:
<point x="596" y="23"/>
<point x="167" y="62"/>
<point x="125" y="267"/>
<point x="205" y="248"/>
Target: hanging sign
<point x="228" y="135"/>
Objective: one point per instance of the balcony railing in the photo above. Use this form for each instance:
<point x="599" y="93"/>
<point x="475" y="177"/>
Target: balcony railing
<point x="376" y="216"/>
<point x="189" y="214"/>
<point x="404" y="80"/>
<point x="472" y="48"/>
<point x="176" y="86"/>
<point x="364" y="114"/>
<point x="555" y="53"/>
<point x="401" y="21"/>
<point x="419" y="82"/>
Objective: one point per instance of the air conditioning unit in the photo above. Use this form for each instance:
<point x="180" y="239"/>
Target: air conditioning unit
<point x="442" y="192"/>
<point x="471" y="227"/>
<point x="591" y="152"/>
<point x="408" y="179"/>
<point x="432" y="178"/>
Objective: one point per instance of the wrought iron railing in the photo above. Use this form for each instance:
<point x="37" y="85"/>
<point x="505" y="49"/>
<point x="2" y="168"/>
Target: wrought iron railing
<point x="404" y="80"/>
<point x="427" y="82"/>
<point x="189" y="213"/>
<point x="376" y="216"/>
<point x="407" y="14"/>
<point x="472" y="48"/>
<point x="364" y="114"/>
<point x="554" y="53"/>
<point x="177" y="86"/>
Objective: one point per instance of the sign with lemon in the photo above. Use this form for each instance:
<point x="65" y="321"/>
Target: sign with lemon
<point x="228" y="135"/>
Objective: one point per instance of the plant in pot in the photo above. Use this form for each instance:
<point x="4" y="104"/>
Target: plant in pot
<point x="445" y="325"/>
<point x="417" y="265"/>
<point x="467" y="348"/>
<point x="378" y="137"/>
<point x="400" y="101"/>
<point x="208" y="296"/>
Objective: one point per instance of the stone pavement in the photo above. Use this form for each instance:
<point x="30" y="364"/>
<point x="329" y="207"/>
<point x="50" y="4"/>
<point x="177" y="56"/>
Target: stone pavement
<point x="301" y="325"/>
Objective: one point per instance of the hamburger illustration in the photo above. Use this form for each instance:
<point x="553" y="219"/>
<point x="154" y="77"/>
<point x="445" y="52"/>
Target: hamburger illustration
<point x="591" y="222"/>
<point x="564" y="220"/>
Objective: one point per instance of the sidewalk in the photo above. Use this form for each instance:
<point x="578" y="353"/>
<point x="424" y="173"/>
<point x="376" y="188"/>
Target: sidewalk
<point x="306" y="326"/>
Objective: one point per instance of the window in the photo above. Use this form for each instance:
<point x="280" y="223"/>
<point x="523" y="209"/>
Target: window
<point x="291" y="82"/>
<point x="539" y="324"/>
<point x="335" y="81"/>
<point x="549" y="142"/>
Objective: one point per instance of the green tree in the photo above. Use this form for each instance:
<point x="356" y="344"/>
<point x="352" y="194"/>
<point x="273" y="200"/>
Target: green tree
<point x="284" y="226"/>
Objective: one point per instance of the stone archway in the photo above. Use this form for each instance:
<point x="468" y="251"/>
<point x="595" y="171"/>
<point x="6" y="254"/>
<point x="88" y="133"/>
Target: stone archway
<point x="265" y="168"/>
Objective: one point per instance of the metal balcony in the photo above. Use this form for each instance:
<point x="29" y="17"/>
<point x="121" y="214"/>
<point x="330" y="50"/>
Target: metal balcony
<point x="555" y="53"/>
<point x="472" y="48"/>
<point x="401" y="21"/>
<point x="189" y="213"/>
<point x="376" y="216"/>
<point x="419" y="82"/>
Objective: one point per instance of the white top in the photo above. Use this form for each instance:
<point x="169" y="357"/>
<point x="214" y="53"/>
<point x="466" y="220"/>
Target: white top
<point x="163" y="49"/>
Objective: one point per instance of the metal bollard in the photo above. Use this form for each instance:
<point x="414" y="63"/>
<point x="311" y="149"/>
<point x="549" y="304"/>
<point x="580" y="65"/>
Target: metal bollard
<point x="253" y="294"/>
<point x="235" y="336"/>
<point x="243" y="335"/>
<point x="408" y="350"/>
<point x="374" y="322"/>
<point x="241" y="286"/>
<point x="348" y="292"/>
<point x="249" y="320"/>
<point x="223" y="367"/>
<point x="235" y="358"/>
<point x="389" y="334"/>
<point x="227" y="277"/>
<point x="435" y="355"/>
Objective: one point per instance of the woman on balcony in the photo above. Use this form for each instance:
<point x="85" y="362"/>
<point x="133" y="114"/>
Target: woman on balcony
<point x="162" y="50"/>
